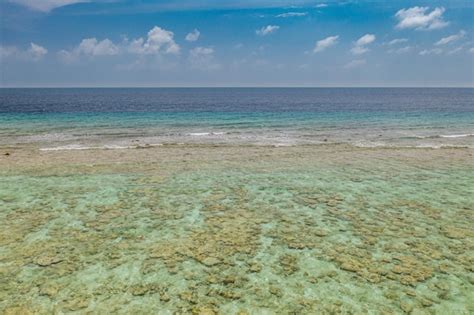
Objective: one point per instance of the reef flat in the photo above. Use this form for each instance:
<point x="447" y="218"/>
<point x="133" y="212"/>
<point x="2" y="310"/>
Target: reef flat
<point x="237" y="229"/>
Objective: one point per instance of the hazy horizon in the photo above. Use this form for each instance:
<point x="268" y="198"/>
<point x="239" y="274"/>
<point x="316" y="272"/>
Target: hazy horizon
<point x="236" y="87"/>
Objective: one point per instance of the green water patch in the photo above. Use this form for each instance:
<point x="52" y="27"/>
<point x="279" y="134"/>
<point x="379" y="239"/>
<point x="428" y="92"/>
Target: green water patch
<point x="357" y="239"/>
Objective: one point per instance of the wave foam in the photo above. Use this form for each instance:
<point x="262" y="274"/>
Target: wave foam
<point x="104" y="147"/>
<point x="458" y="136"/>
<point x="200" y="134"/>
<point x="419" y="146"/>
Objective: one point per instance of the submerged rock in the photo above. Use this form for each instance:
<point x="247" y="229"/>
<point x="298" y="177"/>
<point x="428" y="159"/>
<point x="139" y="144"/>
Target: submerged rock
<point x="49" y="290"/>
<point x="255" y="267"/>
<point x="164" y="297"/>
<point x="275" y="291"/>
<point x="189" y="296"/>
<point x="18" y="310"/>
<point x="203" y="310"/>
<point x="351" y="266"/>
<point x="289" y="263"/>
<point x="230" y="294"/>
<point x="454" y="233"/>
<point x="139" y="290"/>
<point x="210" y="261"/>
<point x="76" y="304"/>
<point x="406" y="306"/>
<point x="45" y="261"/>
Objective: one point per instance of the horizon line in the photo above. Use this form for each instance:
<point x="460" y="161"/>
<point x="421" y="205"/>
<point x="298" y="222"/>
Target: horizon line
<point x="234" y="87"/>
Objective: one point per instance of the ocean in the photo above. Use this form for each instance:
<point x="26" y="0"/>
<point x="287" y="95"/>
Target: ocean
<point x="115" y="118"/>
<point x="237" y="201"/>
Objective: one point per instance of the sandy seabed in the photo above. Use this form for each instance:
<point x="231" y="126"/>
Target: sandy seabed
<point x="235" y="229"/>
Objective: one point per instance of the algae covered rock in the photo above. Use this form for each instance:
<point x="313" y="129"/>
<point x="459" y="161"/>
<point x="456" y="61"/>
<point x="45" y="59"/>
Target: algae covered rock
<point x="47" y="260"/>
<point x="203" y="310"/>
<point x="210" y="261"/>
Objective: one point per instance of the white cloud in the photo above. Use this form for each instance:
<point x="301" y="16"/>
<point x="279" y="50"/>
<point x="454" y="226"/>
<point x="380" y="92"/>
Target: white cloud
<point x="158" y="40"/>
<point x="267" y="30"/>
<point x="193" y="36"/>
<point x="359" y="50"/>
<point x="67" y="56"/>
<point x="355" y="64"/>
<point x="402" y="50"/>
<point x="89" y="47"/>
<point x="397" y="41"/>
<point x="321" y="5"/>
<point x="202" y="51"/>
<point x="420" y="19"/>
<point x="292" y="14"/>
<point x="360" y="46"/>
<point x="450" y="39"/>
<point x="471" y="50"/>
<point x="325" y="43"/>
<point x="45" y="5"/>
<point x="92" y="47"/>
<point x="455" y="50"/>
<point x="36" y="52"/>
<point x="435" y="51"/>
<point x="202" y="58"/>
<point x="365" y="40"/>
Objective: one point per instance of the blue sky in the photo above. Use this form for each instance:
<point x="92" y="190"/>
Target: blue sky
<point x="236" y="43"/>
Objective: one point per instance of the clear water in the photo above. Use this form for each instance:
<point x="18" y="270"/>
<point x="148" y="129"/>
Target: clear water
<point x="227" y="224"/>
<point x="77" y="118"/>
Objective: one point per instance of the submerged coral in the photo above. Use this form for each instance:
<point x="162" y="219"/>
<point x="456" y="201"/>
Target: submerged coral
<point x="278" y="230"/>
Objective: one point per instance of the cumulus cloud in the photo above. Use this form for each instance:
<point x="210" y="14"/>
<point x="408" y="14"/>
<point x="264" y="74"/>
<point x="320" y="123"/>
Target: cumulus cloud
<point x="325" y="43"/>
<point x="292" y="14"/>
<point x="452" y="38"/>
<point x="202" y="58"/>
<point x="35" y="52"/>
<point x="360" y="46"/>
<point x="420" y="18"/>
<point x="93" y="47"/>
<point x="193" y="36"/>
<point x="397" y="41"/>
<point x="45" y="5"/>
<point x="355" y="64"/>
<point x="265" y="30"/>
<point x="158" y="40"/>
<point x="89" y="47"/>
<point x="434" y="51"/>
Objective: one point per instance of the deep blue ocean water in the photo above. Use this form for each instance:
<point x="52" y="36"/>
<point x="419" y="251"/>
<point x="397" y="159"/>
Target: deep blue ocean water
<point x="279" y="116"/>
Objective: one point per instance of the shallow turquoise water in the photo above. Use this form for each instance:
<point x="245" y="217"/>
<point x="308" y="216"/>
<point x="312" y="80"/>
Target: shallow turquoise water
<point x="236" y="201"/>
<point x="124" y="129"/>
<point x="274" y="236"/>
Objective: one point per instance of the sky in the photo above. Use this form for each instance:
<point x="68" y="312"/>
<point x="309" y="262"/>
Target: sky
<point x="115" y="43"/>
